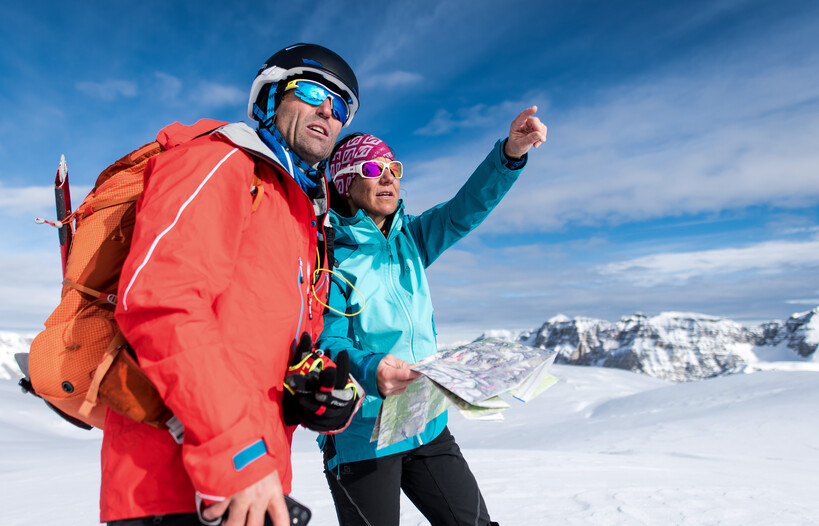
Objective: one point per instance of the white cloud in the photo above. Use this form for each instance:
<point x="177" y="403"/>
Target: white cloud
<point x="658" y="147"/>
<point x="477" y="286"/>
<point x="800" y="230"/>
<point x="29" y="288"/>
<point x="770" y="257"/>
<point x="392" y="79"/>
<point x="218" y="95"/>
<point x="478" y="116"/>
<point x="814" y="301"/>
<point x="26" y="199"/>
<point x="444" y="122"/>
<point x="15" y="201"/>
<point x="167" y="86"/>
<point x="420" y="23"/>
<point x="109" y="90"/>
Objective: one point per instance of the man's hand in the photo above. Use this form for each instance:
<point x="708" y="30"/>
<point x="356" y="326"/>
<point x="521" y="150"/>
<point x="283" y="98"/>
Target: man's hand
<point x="318" y="393"/>
<point x="394" y="375"/>
<point x="526" y="131"/>
<point x="247" y="508"/>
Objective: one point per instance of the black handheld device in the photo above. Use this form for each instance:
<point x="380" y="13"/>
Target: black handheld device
<point x="299" y="513"/>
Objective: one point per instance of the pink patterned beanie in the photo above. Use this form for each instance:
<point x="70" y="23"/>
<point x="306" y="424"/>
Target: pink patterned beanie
<point x="358" y="149"/>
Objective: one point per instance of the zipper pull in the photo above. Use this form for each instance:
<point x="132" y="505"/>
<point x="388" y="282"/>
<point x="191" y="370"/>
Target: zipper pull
<point x="309" y="295"/>
<point x="42" y="221"/>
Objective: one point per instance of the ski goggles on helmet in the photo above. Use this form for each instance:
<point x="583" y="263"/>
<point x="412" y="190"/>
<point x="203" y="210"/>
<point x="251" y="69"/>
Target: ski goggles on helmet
<point x="315" y="94"/>
<point x="373" y="169"/>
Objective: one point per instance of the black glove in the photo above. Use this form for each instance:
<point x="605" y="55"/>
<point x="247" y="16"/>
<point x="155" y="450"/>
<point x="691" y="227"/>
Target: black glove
<point x="318" y="393"/>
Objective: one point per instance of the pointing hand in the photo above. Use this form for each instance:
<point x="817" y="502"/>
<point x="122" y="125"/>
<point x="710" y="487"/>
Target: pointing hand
<point x="526" y="131"/>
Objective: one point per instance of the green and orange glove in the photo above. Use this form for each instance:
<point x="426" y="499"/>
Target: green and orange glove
<point x="318" y="393"/>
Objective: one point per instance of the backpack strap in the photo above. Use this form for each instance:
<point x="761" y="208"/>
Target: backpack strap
<point x="120" y="384"/>
<point x="110" y="298"/>
<point x="114" y="348"/>
<point x="87" y="211"/>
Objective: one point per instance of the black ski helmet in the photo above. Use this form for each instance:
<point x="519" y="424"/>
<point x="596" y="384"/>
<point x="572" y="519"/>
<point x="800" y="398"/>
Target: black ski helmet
<point x="312" y="60"/>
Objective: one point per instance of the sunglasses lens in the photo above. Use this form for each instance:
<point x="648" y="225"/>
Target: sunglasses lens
<point x="397" y="169"/>
<point x="310" y="93"/>
<point x="339" y="109"/>
<point x="371" y="169"/>
<point x="316" y="94"/>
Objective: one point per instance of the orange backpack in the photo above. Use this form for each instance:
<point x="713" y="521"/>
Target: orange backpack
<point x="81" y="364"/>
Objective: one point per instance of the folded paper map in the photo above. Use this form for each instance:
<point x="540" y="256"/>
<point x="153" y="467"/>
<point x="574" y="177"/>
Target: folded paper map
<point x="471" y="377"/>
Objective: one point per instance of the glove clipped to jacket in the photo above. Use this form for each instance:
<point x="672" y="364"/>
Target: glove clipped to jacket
<point x="318" y="393"/>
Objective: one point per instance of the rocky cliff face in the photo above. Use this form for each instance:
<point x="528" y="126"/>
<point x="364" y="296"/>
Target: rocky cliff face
<point x="678" y="346"/>
<point x="11" y="343"/>
<point x="800" y="334"/>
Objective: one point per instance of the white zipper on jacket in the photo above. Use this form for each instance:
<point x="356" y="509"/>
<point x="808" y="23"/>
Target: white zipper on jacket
<point x="307" y="293"/>
<point x="301" y="311"/>
<point x="403" y="306"/>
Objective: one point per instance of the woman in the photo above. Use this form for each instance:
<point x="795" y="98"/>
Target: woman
<point x="381" y="314"/>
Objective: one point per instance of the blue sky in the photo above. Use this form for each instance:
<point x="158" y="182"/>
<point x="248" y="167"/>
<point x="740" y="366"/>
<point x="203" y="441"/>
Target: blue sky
<point x="681" y="171"/>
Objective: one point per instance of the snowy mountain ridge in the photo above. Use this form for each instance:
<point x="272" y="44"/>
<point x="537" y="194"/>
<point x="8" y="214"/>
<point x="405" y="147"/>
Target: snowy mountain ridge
<point x="10" y="344"/>
<point x="673" y="346"/>
<point x="677" y="346"/>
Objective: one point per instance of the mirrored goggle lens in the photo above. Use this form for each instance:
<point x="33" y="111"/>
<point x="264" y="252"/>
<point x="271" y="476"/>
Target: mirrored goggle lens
<point x="374" y="169"/>
<point x="315" y="94"/>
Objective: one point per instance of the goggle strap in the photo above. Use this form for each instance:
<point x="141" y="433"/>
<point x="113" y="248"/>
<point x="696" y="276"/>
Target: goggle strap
<point x="261" y="116"/>
<point x="271" y="100"/>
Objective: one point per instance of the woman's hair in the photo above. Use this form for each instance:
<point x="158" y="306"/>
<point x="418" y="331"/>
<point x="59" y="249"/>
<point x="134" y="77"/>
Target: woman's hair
<point x="338" y="203"/>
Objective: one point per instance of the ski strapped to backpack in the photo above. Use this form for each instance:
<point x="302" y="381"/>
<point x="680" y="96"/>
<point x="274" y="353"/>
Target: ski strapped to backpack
<point x="81" y="364"/>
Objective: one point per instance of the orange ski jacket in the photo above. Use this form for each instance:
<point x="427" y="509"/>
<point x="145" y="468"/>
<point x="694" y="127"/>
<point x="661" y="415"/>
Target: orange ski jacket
<point x="214" y="294"/>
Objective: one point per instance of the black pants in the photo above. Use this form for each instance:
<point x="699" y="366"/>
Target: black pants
<point x="176" y="519"/>
<point x="435" y="477"/>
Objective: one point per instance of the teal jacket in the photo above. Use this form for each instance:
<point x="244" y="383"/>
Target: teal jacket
<point x="388" y="272"/>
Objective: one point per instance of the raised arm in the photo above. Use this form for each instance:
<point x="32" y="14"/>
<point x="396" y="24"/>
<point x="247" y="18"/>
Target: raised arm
<point x="442" y="226"/>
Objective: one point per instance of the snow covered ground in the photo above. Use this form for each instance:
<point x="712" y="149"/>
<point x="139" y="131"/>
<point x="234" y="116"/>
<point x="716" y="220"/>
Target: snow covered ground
<point x="602" y="447"/>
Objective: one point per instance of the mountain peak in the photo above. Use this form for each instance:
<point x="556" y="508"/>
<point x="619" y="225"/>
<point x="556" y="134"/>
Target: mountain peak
<point x="679" y="346"/>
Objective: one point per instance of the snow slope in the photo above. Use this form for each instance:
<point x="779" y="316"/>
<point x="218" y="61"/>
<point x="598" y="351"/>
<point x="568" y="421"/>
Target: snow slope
<point x="602" y="447"/>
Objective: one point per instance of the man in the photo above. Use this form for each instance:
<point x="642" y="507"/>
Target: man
<point x="217" y="290"/>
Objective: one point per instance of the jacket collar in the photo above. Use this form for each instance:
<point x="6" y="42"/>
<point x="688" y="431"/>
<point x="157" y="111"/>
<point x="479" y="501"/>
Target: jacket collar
<point x="246" y="138"/>
<point x="361" y="230"/>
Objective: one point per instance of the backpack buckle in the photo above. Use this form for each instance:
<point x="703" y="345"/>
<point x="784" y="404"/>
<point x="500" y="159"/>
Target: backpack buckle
<point x="176" y="429"/>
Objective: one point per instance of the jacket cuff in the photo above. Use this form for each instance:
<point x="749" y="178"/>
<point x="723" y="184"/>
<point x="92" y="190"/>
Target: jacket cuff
<point x="508" y="163"/>
<point x="369" y="371"/>
<point x="234" y="460"/>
